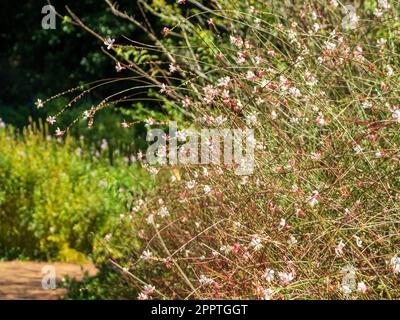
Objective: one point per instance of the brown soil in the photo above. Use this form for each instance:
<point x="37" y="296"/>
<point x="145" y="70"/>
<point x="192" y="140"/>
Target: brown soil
<point x="23" y="279"/>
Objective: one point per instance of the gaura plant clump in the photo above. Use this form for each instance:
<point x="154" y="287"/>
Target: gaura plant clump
<point x="318" y="217"/>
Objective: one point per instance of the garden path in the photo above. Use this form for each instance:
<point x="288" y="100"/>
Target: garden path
<point x="23" y="279"/>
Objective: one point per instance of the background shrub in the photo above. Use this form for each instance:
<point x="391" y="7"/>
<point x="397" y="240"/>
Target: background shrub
<point x="57" y="198"/>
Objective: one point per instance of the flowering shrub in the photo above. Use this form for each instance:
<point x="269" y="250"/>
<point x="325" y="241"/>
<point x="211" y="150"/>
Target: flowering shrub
<point x="55" y="202"/>
<point x="319" y="217"/>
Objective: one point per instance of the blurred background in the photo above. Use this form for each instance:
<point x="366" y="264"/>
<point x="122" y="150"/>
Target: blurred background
<point x="38" y="64"/>
<point x="58" y="195"/>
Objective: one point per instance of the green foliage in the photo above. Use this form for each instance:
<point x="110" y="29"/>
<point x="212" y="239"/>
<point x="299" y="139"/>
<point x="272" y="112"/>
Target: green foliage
<point x="56" y="199"/>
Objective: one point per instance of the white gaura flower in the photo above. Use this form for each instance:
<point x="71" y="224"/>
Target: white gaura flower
<point x="378" y="12"/>
<point x="146" y="255"/>
<point x="381" y="42"/>
<point x="366" y="105"/>
<point x="316" y="156"/>
<point x="186" y="102"/>
<point x="310" y="79"/>
<point x="237" y="41"/>
<point x="251" y="119"/>
<point x="259" y="100"/>
<point x="250" y="75"/>
<point x="333" y="3"/>
<point x="150" y="219"/>
<point x="315" y="27"/>
<point x="226" y="249"/>
<point x="191" y="184"/>
<point x="384" y="4"/>
<point x="330" y="46"/>
<point x="220" y="120"/>
<point x="257" y="60"/>
<point x="224" y="81"/>
<point x="153" y="170"/>
<point x="339" y="248"/>
<point x="109" y="43"/>
<point x="181" y="135"/>
<point x="292" y="35"/>
<point x="207" y="189"/>
<point x="210" y="93"/>
<point x="321" y="120"/>
<point x="204" y="280"/>
<point x="244" y="180"/>
<point x="292" y="240"/>
<point x="312" y="201"/>
<point x="389" y="70"/>
<point x="39" y="103"/>
<point x="357" y="148"/>
<point x="396" y="115"/>
<point x="295" y="92"/>
<point x="255" y="243"/>
<point x="395" y="263"/>
<point x="264" y="293"/>
<point x="269" y="275"/>
<point x="378" y="154"/>
<point x="163" y="212"/>
<point x="359" y="242"/>
<point x="346" y="289"/>
<point x="314" y="15"/>
<point x="51" y="120"/>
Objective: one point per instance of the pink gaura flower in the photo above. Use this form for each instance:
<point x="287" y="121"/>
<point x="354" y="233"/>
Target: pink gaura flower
<point x="271" y="52"/>
<point x="173" y="67"/>
<point x="362" y="287"/>
<point x="59" y="132"/>
<point x="165" y="89"/>
<point x="165" y="32"/>
<point x="119" y="67"/>
<point x="285" y="277"/>
<point x="339" y="248"/>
